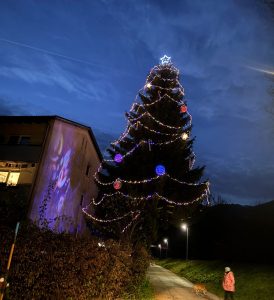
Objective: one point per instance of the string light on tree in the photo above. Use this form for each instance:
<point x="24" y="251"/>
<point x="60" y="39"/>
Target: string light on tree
<point x="150" y="196"/>
<point x="184" y="136"/>
<point x="148" y="85"/>
<point x="148" y="180"/>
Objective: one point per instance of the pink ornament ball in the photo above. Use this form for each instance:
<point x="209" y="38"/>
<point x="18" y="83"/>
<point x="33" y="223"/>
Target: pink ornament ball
<point x="183" y="108"/>
<point x="117" y="184"/>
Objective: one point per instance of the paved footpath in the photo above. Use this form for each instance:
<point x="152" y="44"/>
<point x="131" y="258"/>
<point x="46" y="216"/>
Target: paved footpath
<point x="168" y="286"/>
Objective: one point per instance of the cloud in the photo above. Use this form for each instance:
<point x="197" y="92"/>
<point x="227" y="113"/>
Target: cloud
<point x="103" y="139"/>
<point x="239" y="182"/>
<point x="209" y="42"/>
<point x="8" y="108"/>
<point x="86" y="85"/>
<point x="29" y="76"/>
<point x="5" y="108"/>
<point x="52" y="74"/>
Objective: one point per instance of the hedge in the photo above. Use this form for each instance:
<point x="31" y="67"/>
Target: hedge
<point x="47" y="265"/>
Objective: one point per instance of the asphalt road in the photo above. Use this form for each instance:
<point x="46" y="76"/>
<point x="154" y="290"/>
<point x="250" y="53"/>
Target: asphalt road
<point x="168" y="286"/>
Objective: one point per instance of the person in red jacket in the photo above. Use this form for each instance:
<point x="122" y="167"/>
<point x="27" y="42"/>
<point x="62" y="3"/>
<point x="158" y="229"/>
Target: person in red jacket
<point x="229" y="284"/>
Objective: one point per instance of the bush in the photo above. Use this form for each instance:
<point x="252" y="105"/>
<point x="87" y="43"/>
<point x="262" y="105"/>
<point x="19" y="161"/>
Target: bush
<point x="140" y="263"/>
<point x="13" y="203"/>
<point x="46" y="265"/>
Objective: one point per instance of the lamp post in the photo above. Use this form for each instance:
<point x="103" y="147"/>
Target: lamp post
<point x="166" y="242"/>
<point x="184" y="226"/>
<point x="160" y="248"/>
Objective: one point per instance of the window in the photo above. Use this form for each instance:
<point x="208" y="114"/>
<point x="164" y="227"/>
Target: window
<point x="24" y="140"/>
<point x="17" y="139"/>
<point x="87" y="170"/>
<point x="13" y="139"/>
<point x="3" y="176"/>
<point x="81" y="201"/>
<point x="13" y="178"/>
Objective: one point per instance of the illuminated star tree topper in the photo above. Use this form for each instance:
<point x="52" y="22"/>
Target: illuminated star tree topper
<point x="165" y="60"/>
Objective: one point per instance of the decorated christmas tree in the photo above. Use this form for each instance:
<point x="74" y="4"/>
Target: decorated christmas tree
<point x="150" y="171"/>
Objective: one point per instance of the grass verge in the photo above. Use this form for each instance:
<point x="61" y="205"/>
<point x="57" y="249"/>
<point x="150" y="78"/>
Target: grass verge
<point x="142" y="291"/>
<point x="253" y="281"/>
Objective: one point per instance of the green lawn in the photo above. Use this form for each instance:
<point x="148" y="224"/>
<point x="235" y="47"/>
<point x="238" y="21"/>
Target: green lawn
<point x="143" y="291"/>
<point x="253" y="281"/>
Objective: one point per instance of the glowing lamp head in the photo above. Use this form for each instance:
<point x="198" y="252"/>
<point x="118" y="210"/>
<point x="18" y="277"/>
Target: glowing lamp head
<point x="117" y="184"/>
<point x="184" y="136"/>
<point x="184" y="226"/>
<point x="183" y="109"/>
<point x="118" y="158"/>
<point x="160" y="170"/>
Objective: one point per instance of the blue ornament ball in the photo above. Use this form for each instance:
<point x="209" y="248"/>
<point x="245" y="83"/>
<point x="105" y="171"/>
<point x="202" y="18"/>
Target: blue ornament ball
<point x="160" y="170"/>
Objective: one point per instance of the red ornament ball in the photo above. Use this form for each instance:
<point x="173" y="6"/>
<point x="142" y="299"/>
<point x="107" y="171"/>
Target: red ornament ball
<point x="183" y="108"/>
<point x="117" y="184"/>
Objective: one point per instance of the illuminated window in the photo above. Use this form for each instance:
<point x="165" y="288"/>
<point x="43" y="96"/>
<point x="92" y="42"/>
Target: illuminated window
<point x="13" y="178"/>
<point x="3" y="176"/>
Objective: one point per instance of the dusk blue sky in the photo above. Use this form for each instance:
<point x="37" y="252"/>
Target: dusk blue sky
<point x="86" y="60"/>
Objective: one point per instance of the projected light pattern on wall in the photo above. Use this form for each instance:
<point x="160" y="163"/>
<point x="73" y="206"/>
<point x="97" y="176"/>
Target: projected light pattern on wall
<point x="58" y="189"/>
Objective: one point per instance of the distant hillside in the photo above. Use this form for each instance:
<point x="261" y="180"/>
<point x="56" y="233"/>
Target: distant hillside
<point x="237" y="232"/>
<point x="229" y="231"/>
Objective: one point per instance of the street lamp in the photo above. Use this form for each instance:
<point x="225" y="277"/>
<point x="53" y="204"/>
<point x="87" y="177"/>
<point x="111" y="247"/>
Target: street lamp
<point x="166" y="242"/>
<point x="160" y="248"/>
<point x="184" y="226"/>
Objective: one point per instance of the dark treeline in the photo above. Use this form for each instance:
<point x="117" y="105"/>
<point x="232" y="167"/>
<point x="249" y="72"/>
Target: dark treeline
<point x="226" y="231"/>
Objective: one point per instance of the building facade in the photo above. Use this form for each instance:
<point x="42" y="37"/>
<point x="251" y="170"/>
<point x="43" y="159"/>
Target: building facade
<point x="53" y="159"/>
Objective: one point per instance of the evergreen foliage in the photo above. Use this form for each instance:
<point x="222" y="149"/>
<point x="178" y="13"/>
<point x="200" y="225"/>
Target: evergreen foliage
<point x="158" y="132"/>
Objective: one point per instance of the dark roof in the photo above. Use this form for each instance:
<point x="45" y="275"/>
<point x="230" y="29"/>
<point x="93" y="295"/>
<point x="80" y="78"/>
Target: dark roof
<point x="26" y="119"/>
<point x="46" y="119"/>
